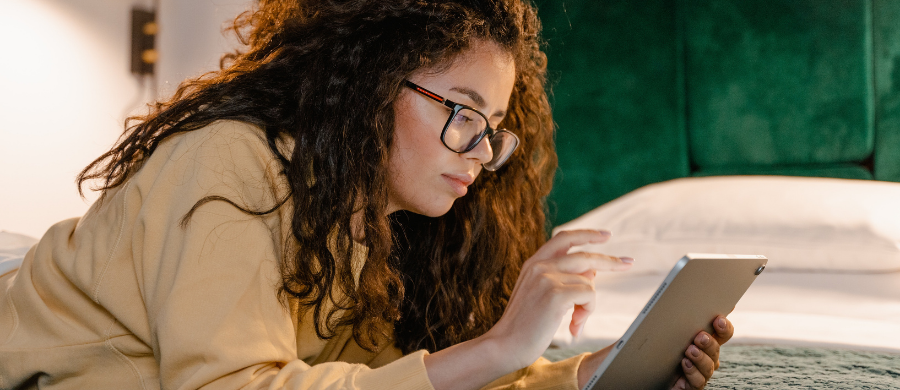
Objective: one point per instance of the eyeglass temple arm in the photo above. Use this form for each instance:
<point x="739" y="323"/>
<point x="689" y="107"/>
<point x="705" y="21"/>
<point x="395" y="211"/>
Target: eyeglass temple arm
<point x="430" y="95"/>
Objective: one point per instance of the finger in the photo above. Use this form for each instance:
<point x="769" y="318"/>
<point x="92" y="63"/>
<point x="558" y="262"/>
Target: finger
<point x="693" y="378"/>
<point x="565" y="286"/>
<point x="581" y="262"/>
<point x="581" y="313"/>
<point x="576" y="291"/>
<point x="590" y="274"/>
<point x="724" y="329"/>
<point x="548" y="275"/>
<point x="563" y="241"/>
<point x="680" y="384"/>
<point x="584" y="302"/>
<point x="584" y="305"/>
<point x="709" y="346"/>
<point x="579" y="318"/>
<point x="701" y="362"/>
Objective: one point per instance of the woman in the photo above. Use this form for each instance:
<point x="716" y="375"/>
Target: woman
<point x="320" y="202"/>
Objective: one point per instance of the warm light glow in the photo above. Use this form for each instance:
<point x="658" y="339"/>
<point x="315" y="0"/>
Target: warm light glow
<point x="65" y="91"/>
<point x="66" y="87"/>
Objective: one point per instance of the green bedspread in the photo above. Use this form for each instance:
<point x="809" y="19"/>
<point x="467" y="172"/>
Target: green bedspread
<point x="770" y="367"/>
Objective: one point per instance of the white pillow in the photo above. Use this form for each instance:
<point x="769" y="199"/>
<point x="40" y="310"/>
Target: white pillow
<point x="15" y="243"/>
<point x="13" y="247"/>
<point x="808" y="224"/>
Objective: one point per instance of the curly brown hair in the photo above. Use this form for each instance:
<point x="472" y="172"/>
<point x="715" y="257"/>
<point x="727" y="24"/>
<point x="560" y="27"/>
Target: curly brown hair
<point x="438" y="281"/>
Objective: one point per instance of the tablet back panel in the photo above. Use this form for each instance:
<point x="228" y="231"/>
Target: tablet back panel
<point x="699" y="288"/>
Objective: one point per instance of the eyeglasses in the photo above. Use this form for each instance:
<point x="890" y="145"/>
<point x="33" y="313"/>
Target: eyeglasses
<point x="466" y="127"/>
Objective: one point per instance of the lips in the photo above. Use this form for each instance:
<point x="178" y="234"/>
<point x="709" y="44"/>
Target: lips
<point x="459" y="182"/>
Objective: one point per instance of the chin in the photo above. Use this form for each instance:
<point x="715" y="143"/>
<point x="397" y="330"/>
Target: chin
<point x="435" y="209"/>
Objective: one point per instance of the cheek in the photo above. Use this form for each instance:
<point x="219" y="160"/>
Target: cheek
<point x="409" y="143"/>
<point x="415" y="166"/>
<point x="417" y="137"/>
<point x="408" y="157"/>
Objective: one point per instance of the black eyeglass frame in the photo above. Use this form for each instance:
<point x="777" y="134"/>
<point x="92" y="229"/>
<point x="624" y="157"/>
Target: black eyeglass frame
<point x="455" y="108"/>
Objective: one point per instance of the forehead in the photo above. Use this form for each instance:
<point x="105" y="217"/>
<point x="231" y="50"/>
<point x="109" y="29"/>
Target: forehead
<point x="480" y="56"/>
<point x="484" y="68"/>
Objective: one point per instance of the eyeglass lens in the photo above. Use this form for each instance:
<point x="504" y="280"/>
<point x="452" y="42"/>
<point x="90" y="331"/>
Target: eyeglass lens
<point x="465" y="129"/>
<point x="503" y="143"/>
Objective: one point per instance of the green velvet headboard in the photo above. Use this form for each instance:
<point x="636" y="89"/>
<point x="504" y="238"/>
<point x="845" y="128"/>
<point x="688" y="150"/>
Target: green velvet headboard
<point x="647" y="91"/>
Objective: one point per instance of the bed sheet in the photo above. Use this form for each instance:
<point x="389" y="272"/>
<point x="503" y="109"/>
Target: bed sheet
<point x="850" y="311"/>
<point x="13" y="247"/>
<point x="785" y="367"/>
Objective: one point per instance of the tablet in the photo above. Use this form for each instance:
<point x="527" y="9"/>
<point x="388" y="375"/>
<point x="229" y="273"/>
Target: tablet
<point x="699" y="288"/>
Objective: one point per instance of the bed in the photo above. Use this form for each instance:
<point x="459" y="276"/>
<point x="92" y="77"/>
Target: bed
<point x="13" y="247"/>
<point x="658" y="101"/>
<point x="824" y="314"/>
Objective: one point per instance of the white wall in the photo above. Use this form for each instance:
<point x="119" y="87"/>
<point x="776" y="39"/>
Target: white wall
<point x="66" y="87"/>
<point x="191" y="40"/>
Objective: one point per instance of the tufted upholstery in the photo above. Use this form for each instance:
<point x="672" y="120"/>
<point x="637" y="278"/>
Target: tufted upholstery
<point x="654" y="90"/>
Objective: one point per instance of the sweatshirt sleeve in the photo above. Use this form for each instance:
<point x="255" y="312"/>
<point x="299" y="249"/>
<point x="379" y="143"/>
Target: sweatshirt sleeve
<point x="210" y="288"/>
<point x="542" y="375"/>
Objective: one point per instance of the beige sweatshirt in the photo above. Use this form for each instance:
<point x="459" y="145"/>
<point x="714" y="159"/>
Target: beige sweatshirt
<point x="125" y="298"/>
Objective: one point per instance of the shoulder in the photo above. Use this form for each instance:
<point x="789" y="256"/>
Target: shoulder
<point x="224" y="158"/>
<point x="220" y="140"/>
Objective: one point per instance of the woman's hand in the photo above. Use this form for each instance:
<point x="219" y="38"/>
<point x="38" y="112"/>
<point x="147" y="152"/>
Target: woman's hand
<point x="552" y="282"/>
<point x="702" y="357"/>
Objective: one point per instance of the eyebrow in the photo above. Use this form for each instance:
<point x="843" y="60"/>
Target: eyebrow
<point x="476" y="97"/>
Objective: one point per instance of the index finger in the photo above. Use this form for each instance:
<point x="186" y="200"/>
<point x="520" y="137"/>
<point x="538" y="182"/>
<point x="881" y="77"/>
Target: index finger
<point x="560" y="244"/>
<point x="583" y="262"/>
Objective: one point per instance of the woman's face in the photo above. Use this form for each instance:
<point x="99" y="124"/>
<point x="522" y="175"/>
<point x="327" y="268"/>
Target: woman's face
<point x="426" y="177"/>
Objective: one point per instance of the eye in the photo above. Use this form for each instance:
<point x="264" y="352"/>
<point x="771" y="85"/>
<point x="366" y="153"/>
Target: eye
<point x="462" y="118"/>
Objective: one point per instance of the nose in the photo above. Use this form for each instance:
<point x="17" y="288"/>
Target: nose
<point x="482" y="153"/>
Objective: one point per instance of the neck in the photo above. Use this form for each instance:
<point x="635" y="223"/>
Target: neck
<point x="357" y="226"/>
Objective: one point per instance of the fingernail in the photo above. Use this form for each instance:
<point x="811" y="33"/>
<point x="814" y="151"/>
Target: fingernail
<point x="626" y="260"/>
<point x="606" y="232"/>
<point x="721" y="323"/>
<point x="577" y="332"/>
<point x="694" y="351"/>
<point x="687" y="363"/>
<point x="704" y="339"/>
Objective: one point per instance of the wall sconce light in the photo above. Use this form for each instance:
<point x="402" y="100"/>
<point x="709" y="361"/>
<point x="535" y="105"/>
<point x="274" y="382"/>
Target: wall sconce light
<point x="143" y="35"/>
